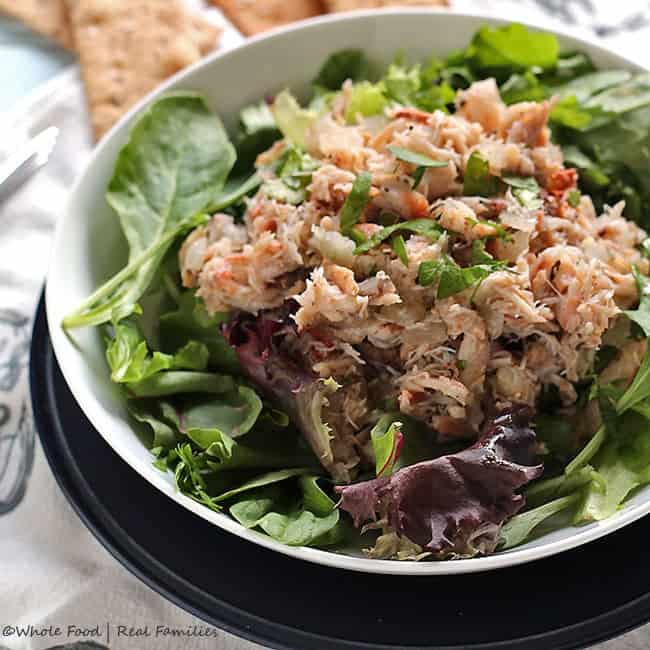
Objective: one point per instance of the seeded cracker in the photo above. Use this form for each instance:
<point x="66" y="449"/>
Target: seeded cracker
<point x="47" y="17"/>
<point x="127" y="47"/>
<point x="253" y="16"/>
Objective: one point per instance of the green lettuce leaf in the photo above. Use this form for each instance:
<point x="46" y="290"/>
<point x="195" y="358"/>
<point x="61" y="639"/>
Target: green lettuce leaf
<point x="174" y="165"/>
<point x="291" y="118"/>
<point x="366" y="99"/>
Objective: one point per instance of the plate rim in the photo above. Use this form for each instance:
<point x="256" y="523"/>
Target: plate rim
<point x="586" y="534"/>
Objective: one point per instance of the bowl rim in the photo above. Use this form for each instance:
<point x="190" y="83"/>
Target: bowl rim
<point x="331" y="558"/>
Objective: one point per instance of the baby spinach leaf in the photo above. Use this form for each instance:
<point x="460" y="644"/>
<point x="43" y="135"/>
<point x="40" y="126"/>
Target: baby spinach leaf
<point x="313" y="496"/>
<point x="425" y="227"/>
<point x="291" y="118"/>
<point x="175" y="163"/>
<point x="277" y="512"/>
<point x="622" y="97"/>
<point x="478" y="181"/>
<point x="340" y="66"/>
<point x="191" y="321"/>
<point x="355" y="202"/>
<point x="158" y="415"/>
<point x="513" y="47"/>
<point x="518" y="529"/>
<point x="173" y="382"/>
<point x="233" y="413"/>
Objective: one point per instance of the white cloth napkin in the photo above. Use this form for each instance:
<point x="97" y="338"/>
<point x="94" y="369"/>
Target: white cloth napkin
<point x="52" y="570"/>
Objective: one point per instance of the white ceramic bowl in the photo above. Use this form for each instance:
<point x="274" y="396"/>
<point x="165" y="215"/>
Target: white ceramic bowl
<point x="89" y="246"/>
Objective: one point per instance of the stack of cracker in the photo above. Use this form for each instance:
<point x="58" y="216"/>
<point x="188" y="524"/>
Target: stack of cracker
<point x="125" y="47"/>
<point x="255" y="16"/>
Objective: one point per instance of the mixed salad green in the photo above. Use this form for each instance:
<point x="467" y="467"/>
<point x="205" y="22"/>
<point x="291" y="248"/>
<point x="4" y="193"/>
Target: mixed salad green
<point x="233" y="449"/>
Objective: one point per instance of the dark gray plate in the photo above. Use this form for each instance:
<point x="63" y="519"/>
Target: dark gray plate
<point x="568" y="601"/>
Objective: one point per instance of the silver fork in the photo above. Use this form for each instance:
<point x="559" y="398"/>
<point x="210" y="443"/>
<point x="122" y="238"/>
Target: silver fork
<point x="23" y="163"/>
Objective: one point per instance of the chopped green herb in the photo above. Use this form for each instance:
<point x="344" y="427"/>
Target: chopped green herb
<point x="573" y="198"/>
<point x="416" y="158"/>
<point x="355" y="202"/>
<point x="399" y="246"/>
<point x="450" y="277"/>
<point x="425" y="227"/>
<point x="478" y="180"/>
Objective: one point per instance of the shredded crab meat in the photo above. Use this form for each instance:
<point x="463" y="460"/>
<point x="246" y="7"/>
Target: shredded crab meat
<point x="363" y="317"/>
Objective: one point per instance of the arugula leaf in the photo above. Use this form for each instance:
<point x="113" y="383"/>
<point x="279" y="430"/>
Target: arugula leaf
<point x="291" y="118"/>
<point x="261" y="481"/>
<point x="173" y="382"/>
<point x="478" y="181"/>
<point x="174" y="165"/>
<point x="366" y="99"/>
<point x="568" y="112"/>
<point x="399" y="248"/>
<point x="450" y="277"/>
<point x="355" y="202"/>
<point x="513" y="47"/>
<point x="520" y="527"/>
<point x="387" y="439"/>
<point x="583" y="87"/>
<point x="415" y="158"/>
<point x="641" y="315"/>
<point x="524" y="87"/>
<point x="639" y="389"/>
<point x="425" y="227"/>
<point x="563" y="485"/>
<point x="340" y="66"/>
<point x="587" y="452"/>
